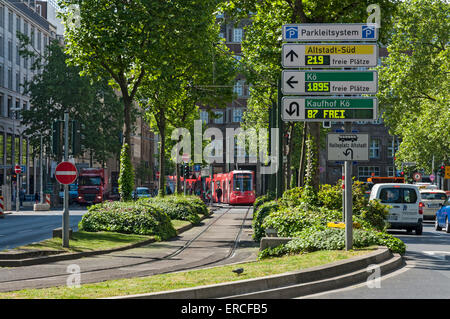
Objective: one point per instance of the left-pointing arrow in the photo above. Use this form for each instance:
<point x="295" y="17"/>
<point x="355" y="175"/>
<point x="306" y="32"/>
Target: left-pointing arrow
<point x="290" y="82"/>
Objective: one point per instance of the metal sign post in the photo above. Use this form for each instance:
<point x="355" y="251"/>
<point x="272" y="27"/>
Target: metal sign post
<point x="65" y="225"/>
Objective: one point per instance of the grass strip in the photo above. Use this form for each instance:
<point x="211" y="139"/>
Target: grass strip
<point x="186" y="279"/>
<point x="83" y="241"/>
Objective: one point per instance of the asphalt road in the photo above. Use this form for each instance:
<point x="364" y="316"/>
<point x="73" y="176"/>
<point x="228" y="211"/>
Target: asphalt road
<point x="425" y="276"/>
<point x="26" y="227"/>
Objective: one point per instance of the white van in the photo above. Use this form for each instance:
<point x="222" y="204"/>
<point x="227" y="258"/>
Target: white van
<point x="406" y="202"/>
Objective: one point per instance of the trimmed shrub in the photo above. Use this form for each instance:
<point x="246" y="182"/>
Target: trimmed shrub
<point x="129" y="218"/>
<point x="318" y="238"/>
<point x="290" y="221"/>
<point x="292" y="197"/>
<point x="263" y="199"/>
<point x="258" y="218"/>
<point x="126" y="174"/>
<point x="175" y="207"/>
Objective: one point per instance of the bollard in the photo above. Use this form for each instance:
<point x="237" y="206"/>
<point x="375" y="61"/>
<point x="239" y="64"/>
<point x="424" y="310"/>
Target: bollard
<point x="47" y="199"/>
<point x="2" y="208"/>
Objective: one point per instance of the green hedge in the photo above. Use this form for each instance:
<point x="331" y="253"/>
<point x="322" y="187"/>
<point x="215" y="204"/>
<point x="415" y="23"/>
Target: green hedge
<point x="317" y="238"/>
<point x="129" y="218"/>
<point x="302" y="210"/>
<point x="258" y="218"/>
<point x="180" y="207"/>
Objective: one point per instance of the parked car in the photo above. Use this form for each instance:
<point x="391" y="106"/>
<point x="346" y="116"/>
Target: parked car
<point x="141" y="192"/>
<point x="407" y="207"/>
<point x="442" y="216"/>
<point x="73" y="193"/>
<point x="432" y="200"/>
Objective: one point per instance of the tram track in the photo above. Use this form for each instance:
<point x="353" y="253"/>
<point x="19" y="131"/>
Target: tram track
<point x="113" y="270"/>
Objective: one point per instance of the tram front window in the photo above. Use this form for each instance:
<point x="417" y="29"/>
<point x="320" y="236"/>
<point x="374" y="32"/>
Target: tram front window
<point x="242" y="182"/>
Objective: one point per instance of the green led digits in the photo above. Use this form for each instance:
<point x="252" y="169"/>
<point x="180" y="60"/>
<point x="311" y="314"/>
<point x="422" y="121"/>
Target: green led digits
<point x="317" y="86"/>
<point x="317" y="59"/>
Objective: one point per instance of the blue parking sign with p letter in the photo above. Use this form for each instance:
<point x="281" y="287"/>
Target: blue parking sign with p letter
<point x="291" y="33"/>
<point x="368" y="32"/>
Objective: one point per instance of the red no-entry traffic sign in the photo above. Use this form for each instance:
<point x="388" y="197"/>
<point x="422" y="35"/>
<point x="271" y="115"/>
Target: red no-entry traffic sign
<point x="66" y="173"/>
<point x="18" y="169"/>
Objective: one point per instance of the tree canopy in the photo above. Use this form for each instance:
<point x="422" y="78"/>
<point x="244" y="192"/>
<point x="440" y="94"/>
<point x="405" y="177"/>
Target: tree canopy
<point x="414" y="89"/>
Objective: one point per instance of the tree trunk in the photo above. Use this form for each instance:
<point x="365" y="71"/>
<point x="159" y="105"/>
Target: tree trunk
<point x="162" y="147"/>
<point x="127" y="120"/>
<point x="301" y="167"/>
<point x="314" y="129"/>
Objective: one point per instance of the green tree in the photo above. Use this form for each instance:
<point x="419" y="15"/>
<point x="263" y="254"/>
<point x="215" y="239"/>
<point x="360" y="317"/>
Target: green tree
<point x="58" y="88"/>
<point x="414" y="89"/>
<point x="196" y="72"/>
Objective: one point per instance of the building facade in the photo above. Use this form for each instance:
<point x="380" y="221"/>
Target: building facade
<point x="29" y="18"/>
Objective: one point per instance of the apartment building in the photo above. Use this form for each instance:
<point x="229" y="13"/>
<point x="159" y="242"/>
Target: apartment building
<point x="29" y="18"/>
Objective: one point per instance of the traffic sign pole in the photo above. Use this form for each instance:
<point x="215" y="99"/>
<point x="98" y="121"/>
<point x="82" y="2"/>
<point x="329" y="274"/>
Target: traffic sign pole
<point x="65" y="225"/>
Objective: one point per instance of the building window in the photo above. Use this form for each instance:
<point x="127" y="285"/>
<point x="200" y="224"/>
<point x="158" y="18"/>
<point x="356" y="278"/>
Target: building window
<point x="2" y="149"/>
<point x="9" y="149"/>
<point x="204" y="117"/>
<point x="10" y="80"/>
<point x="17" y="82"/>
<point x="10" y="107"/>
<point x="18" y="24"/>
<point x="374" y="151"/>
<point x="39" y="39"/>
<point x="219" y="119"/>
<point x="238" y="88"/>
<point x="2" y="16"/>
<point x="17" y="55"/>
<point x="392" y="151"/>
<point x="16" y="149"/>
<point x="2" y="105"/>
<point x="391" y="171"/>
<point x="364" y="172"/>
<point x="237" y="115"/>
<point x="237" y="35"/>
<point x="24" y="152"/>
<point x="10" y="22"/>
<point x="2" y="76"/>
<point x="10" y="50"/>
<point x="2" y="47"/>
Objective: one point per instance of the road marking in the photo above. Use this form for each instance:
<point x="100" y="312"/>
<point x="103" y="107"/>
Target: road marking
<point x="444" y="255"/>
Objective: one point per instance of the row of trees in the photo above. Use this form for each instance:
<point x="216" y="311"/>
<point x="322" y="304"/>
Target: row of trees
<point x="162" y="55"/>
<point x="414" y="78"/>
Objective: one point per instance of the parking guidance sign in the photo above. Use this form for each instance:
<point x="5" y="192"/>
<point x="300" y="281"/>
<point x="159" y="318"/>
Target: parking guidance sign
<point x="339" y="55"/>
<point x="329" y="82"/>
<point x="330" y="32"/>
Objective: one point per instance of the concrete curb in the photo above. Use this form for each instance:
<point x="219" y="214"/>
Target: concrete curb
<point x="18" y="259"/>
<point x="325" y="277"/>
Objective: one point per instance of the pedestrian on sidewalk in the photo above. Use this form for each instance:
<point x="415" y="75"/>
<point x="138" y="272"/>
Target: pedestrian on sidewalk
<point x="219" y="194"/>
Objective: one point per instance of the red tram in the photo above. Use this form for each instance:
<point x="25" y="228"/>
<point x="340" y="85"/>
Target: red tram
<point x="237" y="187"/>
